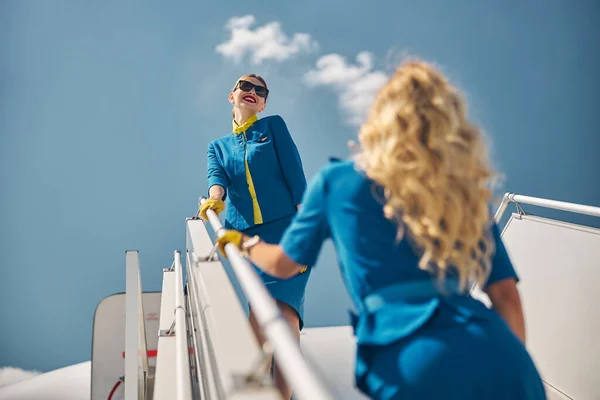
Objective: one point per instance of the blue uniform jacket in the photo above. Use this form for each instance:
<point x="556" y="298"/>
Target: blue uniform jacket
<point x="274" y="164"/>
<point x="340" y="204"/>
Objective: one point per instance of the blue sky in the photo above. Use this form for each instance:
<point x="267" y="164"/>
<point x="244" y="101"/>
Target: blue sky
<point x="106" y="109"/>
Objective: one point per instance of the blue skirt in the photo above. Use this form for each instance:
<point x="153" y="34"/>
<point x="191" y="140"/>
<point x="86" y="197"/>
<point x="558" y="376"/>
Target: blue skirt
<point x="450" y="359"/>
<point x="289" y="291"/>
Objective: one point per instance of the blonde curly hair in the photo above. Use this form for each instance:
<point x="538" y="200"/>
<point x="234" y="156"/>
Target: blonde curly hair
<point x="433" y="166"/>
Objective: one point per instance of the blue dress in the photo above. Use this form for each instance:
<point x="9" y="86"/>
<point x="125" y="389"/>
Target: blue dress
<point x="260" y="168"/>
<point x="290" y="291"/>
<point x="413" y="340"/>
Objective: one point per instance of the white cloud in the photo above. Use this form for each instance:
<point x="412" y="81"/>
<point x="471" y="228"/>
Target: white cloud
<point x="263" y="43"/>
<point x="10" y="375"/>
<point x="355" y="84"/>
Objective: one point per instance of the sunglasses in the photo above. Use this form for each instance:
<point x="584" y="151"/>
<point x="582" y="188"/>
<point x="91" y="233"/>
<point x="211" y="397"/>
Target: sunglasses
<point x="246" y="86"/>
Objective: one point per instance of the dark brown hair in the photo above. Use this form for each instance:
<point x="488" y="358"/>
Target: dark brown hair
<point x="242" y="78"/>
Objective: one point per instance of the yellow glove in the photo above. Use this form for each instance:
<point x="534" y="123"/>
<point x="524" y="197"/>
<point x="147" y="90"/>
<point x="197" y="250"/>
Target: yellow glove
<point x="230" y="236"/>
<point x="217" y="205"/>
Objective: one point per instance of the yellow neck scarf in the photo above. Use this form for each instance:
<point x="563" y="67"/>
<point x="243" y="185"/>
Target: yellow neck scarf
<point x="237" y="129"/>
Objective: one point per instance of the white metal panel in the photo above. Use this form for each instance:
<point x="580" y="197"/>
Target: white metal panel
<point x="332" y="351"/>
<point x="559" y="269"/>
<point x="108" y="340"/>
<point x="167" y="302"/>
<point x="233" y="340"/>
<point x="143" y="369"/>
<point x="184" y="386"/>
<point x="207" y="374"/>
<point x="135" y="343"/>
<point x="553" y="394"/>
<point x="224" y="342"/>
<point x="165" y="374"/>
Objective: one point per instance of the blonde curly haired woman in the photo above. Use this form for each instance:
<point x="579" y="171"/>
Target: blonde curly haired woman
<point x="409" y="217"/>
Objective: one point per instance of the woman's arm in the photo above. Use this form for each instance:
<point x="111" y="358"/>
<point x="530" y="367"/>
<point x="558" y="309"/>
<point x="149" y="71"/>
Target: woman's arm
<point x="216" y="192"/>
<point x="501" y="287"/>
<point x="301" y="243"/>
<point x="217" y="184"/>
<point x="507" y="303"/>
<point x="271" y="259"/>
<point x="217" y="177"/>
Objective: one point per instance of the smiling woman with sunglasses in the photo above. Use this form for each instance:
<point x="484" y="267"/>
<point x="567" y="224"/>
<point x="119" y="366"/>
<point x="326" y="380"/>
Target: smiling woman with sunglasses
<point x="258" y="169"/>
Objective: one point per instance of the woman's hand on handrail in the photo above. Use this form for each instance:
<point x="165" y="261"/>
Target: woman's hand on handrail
<point x="217" y="205"/>
<point x="230" y="236"/>
<point x="268" y="257"/>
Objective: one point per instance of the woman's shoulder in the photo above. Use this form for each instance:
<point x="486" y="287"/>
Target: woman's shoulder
<point x="272" y="122"/>
<point x="272" y="118"/>
<point x="339" y="170"/>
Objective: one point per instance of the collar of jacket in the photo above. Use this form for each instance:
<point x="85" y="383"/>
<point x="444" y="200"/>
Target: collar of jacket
<point x="237" y="129"/>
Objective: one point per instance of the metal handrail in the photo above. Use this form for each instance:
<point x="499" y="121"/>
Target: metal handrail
<point x="536" y="201"/>
<point x="306" y="384"/>
<point x="182" y="361"/>
<point x="209" y="384"/>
